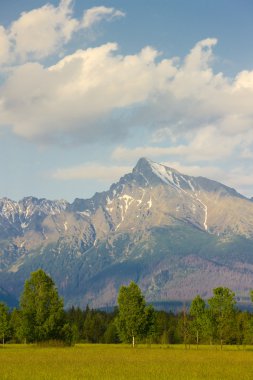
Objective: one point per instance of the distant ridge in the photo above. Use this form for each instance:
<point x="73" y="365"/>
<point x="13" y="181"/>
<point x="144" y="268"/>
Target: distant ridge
<point x="175" y="235"/>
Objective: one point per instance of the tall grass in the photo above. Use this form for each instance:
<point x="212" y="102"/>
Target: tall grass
<point x="122" y="362"/>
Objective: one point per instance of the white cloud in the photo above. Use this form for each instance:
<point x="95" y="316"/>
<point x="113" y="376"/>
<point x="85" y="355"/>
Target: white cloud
<point x="4" y="45"/>
<point x="196" y="170"/>
<point x="239" y="178"/>
<point x="247" y="153"/>
<point x="244" y="80"/>
<point x="42" y="31"/>
<point x="91" y="171"/>
<point x="99" y="95"/>
<point x="75" y="98"/>
<point x="200" y="56"/>
<point x="208" y="143"/>
<point x="128" y="154"/>
<point x="97" y="14"/>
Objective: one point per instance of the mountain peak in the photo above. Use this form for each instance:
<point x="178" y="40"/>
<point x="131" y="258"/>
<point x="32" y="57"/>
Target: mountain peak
<point x="143" y="162"/>
<point x="154" y="214"/>
<point x="144" y="169"/>
<point x="154" y="172"/>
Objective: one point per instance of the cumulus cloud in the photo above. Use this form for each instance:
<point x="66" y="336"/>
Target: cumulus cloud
<point x="98" y="94"/>
<point x="239" y="178"/>
<point x="244" y="81"/>
<point x="208" y="143"/>
<point x="43" y="31"/>
<point x="4" y="46"/>
<point x="196" y="170"/>
<point x="91" y="171"/>
<point x="77" y="97"/>
<point x="96" y="14"/>
<point x="132" y="154"/>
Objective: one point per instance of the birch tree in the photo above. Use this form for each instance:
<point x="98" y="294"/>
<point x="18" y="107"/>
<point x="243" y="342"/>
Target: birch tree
<point x="4" y="321"/>
<point x="222" y="309"/>
<point x="41" y="308"/>
<point x="197" y="311"/>
<point x="133" y="318"/>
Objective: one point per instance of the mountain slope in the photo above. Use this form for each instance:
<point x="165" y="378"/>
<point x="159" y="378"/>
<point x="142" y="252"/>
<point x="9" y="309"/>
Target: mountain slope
<point x="174" y="234"/>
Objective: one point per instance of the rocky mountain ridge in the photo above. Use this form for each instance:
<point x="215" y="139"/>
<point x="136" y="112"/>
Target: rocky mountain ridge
<point x="166" y="230"/>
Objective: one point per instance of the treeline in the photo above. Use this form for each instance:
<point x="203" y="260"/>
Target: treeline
<point x="41" y="318"/>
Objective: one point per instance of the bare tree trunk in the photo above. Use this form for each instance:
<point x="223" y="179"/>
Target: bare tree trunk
<point x="133" y="342"/>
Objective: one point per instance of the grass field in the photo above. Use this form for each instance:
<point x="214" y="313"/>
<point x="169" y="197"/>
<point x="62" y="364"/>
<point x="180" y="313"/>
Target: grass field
<point x="122" y="362"/>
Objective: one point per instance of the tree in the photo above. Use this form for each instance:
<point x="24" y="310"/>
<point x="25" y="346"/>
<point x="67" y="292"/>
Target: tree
<point x="111" y="333"/>
<point x="4" y="321"/>
<point x="75" y="317"/>
<point x="41" y="308"/>
<point x="19" y="326"/>
<point x="198" y="312"/>
<point x="248" y="325"/>
<point x="166" y="326"/>
<point x="243" y="328"/>
<point x="69" y="334"/>
<point x="222" y="309"/>
<point x="150" y="327"/>
<point x="184" y="326"/>
<point x="94" y="326"/>
<point x="133" y="317"/>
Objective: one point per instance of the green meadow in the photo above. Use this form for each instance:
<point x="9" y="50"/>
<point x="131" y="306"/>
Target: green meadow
<point x="87" y="361"/>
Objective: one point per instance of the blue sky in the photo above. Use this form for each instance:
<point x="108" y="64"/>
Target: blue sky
<point x="88" y="87"/>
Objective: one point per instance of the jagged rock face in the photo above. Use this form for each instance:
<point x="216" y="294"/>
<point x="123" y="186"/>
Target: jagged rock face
<point x="154" y="195"/>
<point x="174" y="234"/>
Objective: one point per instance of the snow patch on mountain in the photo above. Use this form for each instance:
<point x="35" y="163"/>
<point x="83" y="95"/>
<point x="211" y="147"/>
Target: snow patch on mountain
<point x="191" y="185"/>
<point x="167" y="175"/>
<point x="161" y="172"/>
<point x="149" y="203"/>
<point x="205" y="213"/>
<point x="128" y="200"/>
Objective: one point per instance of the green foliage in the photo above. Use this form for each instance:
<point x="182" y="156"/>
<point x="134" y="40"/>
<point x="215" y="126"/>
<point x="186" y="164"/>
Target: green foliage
<point x="150" y="330"/>
<point x="76" y="317"/>
<point x="19" y="326"/>
<point x="41" y="308"/>
<point x="111" y="333"/>
<point x="68" y="334"/>
<point x="243" y="328"/>
<point x="199" y="314"/>
<point x="166" y="327"/>
<point x="41" y="318"/>
<point x="184" y="327"/>
<point x="222" y="313"/>
<point x="4" y="321"/>
<point x="135" y="319"/>
<point x="94" y="326"/>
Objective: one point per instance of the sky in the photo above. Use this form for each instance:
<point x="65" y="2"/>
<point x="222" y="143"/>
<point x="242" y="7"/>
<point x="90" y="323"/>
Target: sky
<point x="89" y="87"/>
